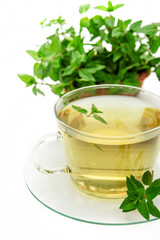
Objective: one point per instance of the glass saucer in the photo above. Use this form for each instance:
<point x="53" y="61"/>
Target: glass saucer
<point x="58" y="193"/>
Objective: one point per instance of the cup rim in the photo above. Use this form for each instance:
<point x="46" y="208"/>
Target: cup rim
<point x="104" y="137"/>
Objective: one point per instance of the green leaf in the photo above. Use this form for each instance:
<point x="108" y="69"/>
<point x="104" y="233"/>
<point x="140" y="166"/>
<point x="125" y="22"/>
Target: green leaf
<point x="154" y="43"/>
<point x="127" y="204"/>
<point x="154" y="211"/>
<point x="156" y="182"/>
<point x="93" y="67"/>
<point x="68" y="71"/>
<point x="36" y="90"/>
<point x="138" y="183"/>
<point x="84" y="8"/>
<point x="58" y="88"/>
<point x="123" y="24"/>
<point x="109" y="21"/>
<point x="41" y="70"/>
<point x="130" y="39"/>
<point x="28" y="79"/>
<point x="94" y="109"/>
<point x="33" y="54"/>
<point x="117" y="56"/>
<point x="79" y="109"/>
<point x="42" y="22"/>
<point x="118" y="6"/>
<point x="135" y="27"/>
<point x="55" y="46"/>
<point x="116" y="32"/>
<point x="143" y="209"/>
<point x="152" y="192"/>
<point x="50" y="49"/>
<point x="84" y="73"/>
<point x="110" y="6"/>
<point x="150" y="29"/>
<point x="142" y="49"/>
<point x="153" y="62"/>
<point x="77" y="58"/>
<point x="76" y="44"/>
<point x="130" y="78"/>
<point x="132" y="188"/>
<point x="103" y="8"/>
<point x="97" y="117"/>
<point x="85" y="22"/>
<point x="157" y="71"/>
<point x="147" y="178"/>
<point x="98" y="20"/>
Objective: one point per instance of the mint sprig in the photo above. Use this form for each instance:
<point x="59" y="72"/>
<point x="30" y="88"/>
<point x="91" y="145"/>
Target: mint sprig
<point x="141" y="197"/>
<point x="93" y="112"/>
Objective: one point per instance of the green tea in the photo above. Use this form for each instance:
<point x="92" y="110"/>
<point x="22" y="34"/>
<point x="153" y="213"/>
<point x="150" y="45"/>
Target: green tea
<point x="100" y="155"/>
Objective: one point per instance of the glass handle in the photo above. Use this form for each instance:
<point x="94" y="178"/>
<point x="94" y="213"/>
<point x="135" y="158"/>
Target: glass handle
<point x="48" y="155"/>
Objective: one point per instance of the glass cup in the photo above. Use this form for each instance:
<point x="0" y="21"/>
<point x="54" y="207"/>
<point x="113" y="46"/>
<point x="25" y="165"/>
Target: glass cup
<point x="99" y="156"/>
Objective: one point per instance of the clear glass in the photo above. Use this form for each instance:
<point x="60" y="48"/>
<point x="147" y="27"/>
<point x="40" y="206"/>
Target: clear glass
<point x="99" y="163"/>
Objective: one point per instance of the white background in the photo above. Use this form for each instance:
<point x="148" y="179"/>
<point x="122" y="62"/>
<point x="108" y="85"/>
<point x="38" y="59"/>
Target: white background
<point x="24" y="118"/>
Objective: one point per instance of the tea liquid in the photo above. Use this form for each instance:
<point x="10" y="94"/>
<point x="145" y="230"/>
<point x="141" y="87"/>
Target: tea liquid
<point x="103" y="155"/>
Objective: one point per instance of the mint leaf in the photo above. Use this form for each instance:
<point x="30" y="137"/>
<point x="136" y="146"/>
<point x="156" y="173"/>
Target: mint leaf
<point x="118" y="6"/>
<point x="132" y="188"/>
<point x="103" y="8"/>
<point x="157" y="71"/>
<point x="97" y="117"/>
<point x="94" y="109"/>
<point x="147" y="178"/>
<point x="110" y="7"/>
<point x="84" y="8"/>
<point x="127" y="204"/>
<point x="84" y="73"/>
<point x="41" y="70"/>
<point x="28" y="79"/>
<point x="98" y="20"/>
<point x="152" y="192"/>
<point x="135" y="27"/>
<point x="150" y="29"/>
<point x="109" y="21"/>
<point x="85" y="22"/>
<point x="93" y="67"/>
<point x="68" y="71"/>
<point x="154" y="43"/>
<point x="79" y="109"/>
<point x="58" y="88"/>
<point x="136" y="182"/>
<point x="117" y="33"/>
<point x="36" y="90"/>
<point x="33" y="54"/>
<point x="143" y="209"/>
<point x="154" y="211"/>
<point x="117" y="56"/>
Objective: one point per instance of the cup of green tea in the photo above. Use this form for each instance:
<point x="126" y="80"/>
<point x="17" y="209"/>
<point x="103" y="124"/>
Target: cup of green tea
<point x="108" y="132"/>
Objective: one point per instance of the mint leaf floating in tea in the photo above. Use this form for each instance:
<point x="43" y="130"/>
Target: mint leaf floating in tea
<point x="79" y="109"/>
<point x="141" y="198"/>
<point x="93" y="112"/>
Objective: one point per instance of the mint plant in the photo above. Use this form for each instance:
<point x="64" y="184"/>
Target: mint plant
<point x="117" y="52"/>
<point x="141" y="197"/>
